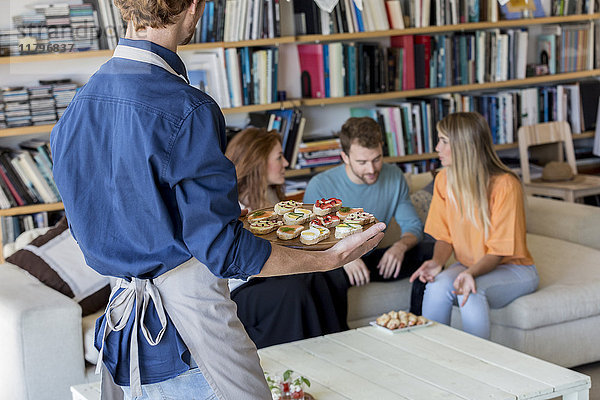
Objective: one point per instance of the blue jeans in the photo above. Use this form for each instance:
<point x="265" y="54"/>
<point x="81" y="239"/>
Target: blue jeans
<point x="494" y="290"/>
<point x="190" y="385"/>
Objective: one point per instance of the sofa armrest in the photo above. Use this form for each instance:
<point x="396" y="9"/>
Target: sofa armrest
<point x="41" y="345"/>
<point x="576" y="223"/>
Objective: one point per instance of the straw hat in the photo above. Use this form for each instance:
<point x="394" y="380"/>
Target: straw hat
<point x="556" y="171"/>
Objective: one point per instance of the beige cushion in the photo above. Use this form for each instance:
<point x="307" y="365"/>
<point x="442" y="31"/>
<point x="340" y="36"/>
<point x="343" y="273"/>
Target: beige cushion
<point x="365" y="303"/>
<point x="569" y="286"/>
<point x="88" y="325"/>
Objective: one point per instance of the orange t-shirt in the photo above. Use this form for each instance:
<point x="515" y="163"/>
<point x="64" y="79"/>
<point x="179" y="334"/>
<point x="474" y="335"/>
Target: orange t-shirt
<point x="507" y="232"/>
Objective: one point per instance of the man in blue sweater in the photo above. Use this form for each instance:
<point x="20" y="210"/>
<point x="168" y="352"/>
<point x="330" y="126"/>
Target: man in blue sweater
<point x="365" y="181"/>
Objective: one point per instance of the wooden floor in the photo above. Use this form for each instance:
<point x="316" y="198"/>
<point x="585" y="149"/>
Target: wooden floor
<point x="592" y="370"/>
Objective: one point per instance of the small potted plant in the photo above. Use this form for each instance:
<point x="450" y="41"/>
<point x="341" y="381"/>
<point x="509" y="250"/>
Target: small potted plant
<point x="287" y="386"/>
<point x="274" y="386"/>
<point x="294" y="386"/>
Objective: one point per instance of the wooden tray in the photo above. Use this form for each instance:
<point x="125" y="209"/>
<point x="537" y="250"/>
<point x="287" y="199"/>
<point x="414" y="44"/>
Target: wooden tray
<point x="295" y="243"/>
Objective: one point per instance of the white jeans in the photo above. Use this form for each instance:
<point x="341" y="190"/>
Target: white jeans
<point x="494" y="290"/>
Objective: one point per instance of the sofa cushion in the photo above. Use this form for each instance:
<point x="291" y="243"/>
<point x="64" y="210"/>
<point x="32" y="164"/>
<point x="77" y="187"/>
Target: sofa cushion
<point x="88" y="323"/>
<point x="365" y="303"/>
<point x="569" y="286"/>
<point x="56" y="260"/>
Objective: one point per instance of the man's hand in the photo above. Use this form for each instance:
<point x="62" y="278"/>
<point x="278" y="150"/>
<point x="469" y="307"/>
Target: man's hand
<point x="426" y="272"/>
<point x="391" y="262"/>
<point x="244" y="212"/>
<point x="286" y="261"/>
<point x="354" y="246"/>
<point x="464" y="285"/>
<point x="357" y="272"/>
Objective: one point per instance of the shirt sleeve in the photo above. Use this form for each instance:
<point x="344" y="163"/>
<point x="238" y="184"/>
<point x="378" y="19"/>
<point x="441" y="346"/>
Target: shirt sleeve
<point x="406" y="216"/>
<point x="505" y="200"/>
<point x="205" y="186"/>
<point x="437" y="219"/>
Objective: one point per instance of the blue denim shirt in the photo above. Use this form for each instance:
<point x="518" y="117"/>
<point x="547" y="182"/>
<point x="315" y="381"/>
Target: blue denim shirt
<point x="139" y="163"/>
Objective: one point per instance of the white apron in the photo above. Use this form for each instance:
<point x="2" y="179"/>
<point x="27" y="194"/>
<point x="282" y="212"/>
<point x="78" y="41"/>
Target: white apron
<point x="199" y="305"/>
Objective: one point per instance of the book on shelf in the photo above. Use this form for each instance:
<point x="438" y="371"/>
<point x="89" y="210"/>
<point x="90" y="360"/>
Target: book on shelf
<point x="26" y="174"/>
<point x="35" y="105"/>
<point x="312" y="70"/>
<point x="13" y="226"/>
<point x="589" y="91"/>
<point x="206" y="71"/>
<point x="290" y="125"/>
<point x="596" y="146"/>
<point x="239" y="20"/>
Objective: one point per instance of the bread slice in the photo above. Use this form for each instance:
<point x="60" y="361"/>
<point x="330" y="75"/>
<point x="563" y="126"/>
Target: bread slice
<point x="286" y="206"/>
<point x="291" y="218"/>
<point x="346" y="229"/>
<point x="324" y="207"/>
<point x="265" y="226"/>
<point x="328" y="221"/>
<point x="287" y="232"/>
<point x="360" y="217"/>
<point x="314" y="235"/>
<point x="345" y="211"/>
<point x="260" y="215"/>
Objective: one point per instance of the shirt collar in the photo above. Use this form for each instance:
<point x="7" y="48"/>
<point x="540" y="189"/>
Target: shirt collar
<point x="170" y="57"/>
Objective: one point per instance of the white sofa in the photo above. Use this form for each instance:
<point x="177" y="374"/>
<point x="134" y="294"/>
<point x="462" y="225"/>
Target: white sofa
<point x="560" y="322"/>
<point x="42" y="334"/>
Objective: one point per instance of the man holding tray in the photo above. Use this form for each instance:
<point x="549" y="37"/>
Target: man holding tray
<point x="365" y="181"/>
<point x="152" y="200"/>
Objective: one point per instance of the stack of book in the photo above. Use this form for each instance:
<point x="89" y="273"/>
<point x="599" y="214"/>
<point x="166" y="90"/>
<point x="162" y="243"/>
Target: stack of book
<point x="85" y="27"/>
<point x="319" y="152"/>
<point x="42" y="105"/>
<point x="2" y="117"/>
<point x="58" y="24"/>
<point x="16" y="106"/>
<point x="26" y="175"/>
<point x="9" y="42"/>
<point x="63" y="92"/>
<point x="56" y="28"/>
<point x="37" y="105"/>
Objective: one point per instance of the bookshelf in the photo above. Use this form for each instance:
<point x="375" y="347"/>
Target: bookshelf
<point x="515" y="83"/>
<point x="100" y="56"/>
<point x="471" y="26"/>
<point x="292" y="173"/>
<point x="31" y="209"/>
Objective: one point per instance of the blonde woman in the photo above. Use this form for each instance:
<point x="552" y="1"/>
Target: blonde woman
<point x="477" y="213"/>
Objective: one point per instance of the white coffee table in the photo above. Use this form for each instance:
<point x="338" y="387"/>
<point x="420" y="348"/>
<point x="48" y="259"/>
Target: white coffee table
<point x="434" y="362"/>
<point x="86" y="391"/>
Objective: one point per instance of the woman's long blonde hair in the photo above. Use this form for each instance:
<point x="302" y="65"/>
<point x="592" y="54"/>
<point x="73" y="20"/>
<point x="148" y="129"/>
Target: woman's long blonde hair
<point x="474" y="162"/>
<point x="249" y="151"/>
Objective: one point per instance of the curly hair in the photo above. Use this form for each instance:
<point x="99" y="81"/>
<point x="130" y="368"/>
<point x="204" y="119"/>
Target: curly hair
<point x="153" y="13"/>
